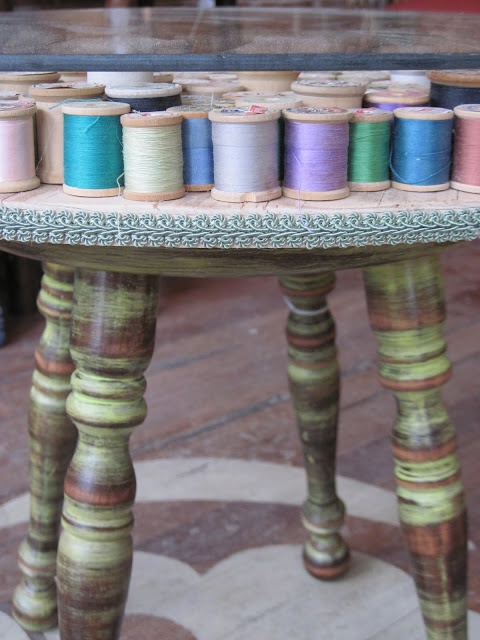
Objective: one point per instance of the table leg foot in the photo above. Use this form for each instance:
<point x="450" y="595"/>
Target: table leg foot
<point x="406" y="309"/>
<point x="112" y="340"/>
<point x="313" y="374"/>
<point x="52" y="438"/>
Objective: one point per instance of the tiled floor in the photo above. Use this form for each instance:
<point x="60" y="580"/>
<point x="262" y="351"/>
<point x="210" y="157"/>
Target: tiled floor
<point x="218" y="535"/>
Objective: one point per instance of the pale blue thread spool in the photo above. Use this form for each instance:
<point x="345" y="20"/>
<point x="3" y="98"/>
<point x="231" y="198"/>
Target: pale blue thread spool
<point x="93" y="160"/>
<point x="421" y="154"/>
<point x="197" y="147"/>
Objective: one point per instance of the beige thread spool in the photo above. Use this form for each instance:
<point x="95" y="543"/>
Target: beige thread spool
<point x="164" y="169"/>
<point x="210" y="88"/>
<point x="162" y="76"/>
<point x="21" y="81"/>
<point x="391" y="99"/>
<point x="334" y="93"/>
<point x="234" y="152"/>
<point x="49" y="123"/>
<point x="267" y="81"/>
<point x="17" y="149"/>
<point x="270" y="101"/>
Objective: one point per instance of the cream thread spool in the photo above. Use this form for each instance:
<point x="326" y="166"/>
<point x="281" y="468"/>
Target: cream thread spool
<point x="334" y="93"/>
<point x="93" y="162"/>
<point x="466" y="153"/>
<point x="308" y="175"/>
<point x="49" y="123"/>
<point x="146" y="96"/>
<point x="152" y="153"/>
<point x="17" y="149"/>
<point x="267" y="81"/>
<point x="245" y="148"/>
<point x="197" y="147"/>
<point x="21" y="81"/>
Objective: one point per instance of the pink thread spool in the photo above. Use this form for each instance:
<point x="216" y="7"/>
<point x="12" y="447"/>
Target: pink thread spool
<point x="17" y="149"/>
<point x="49" y="123"/>
<point x="333" y="93"/>
<point x="316" y="153"/>
<point x="466" y="150"/>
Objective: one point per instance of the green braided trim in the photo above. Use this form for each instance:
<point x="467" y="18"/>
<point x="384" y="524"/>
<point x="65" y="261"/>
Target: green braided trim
<point x="239" y="231"/>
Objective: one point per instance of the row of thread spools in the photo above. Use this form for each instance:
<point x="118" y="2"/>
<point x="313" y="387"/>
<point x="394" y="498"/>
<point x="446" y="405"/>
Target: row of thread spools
<point x="319" y="139"/>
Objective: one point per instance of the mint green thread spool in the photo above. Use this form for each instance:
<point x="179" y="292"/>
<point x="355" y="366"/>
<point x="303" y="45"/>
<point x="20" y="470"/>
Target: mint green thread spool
<point x="369" y="149"/>
<point x="93" y="158"/>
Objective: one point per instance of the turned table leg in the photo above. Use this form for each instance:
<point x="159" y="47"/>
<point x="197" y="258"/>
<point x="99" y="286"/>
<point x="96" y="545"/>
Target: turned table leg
<point x="52" y="439"/>
<point x="112" y="340"/>
<point x="314" y="384"/>
<point x="406" y="309"/>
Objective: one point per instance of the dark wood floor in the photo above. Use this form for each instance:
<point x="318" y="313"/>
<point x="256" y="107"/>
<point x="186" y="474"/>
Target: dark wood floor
<point x="217" y="389"/>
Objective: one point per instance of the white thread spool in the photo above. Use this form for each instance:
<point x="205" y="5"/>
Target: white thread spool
<point x="17" y="148"/>
<point x="267" y="81"/>
<point x="111" y="78"/>
<point x="410" y="77"/>
<point x="21" y="81"/>
<point x="334" y="93"/>
<point x="245" y="150"/>
<point x="49" y="123"/>
<point x="152" y="156"/>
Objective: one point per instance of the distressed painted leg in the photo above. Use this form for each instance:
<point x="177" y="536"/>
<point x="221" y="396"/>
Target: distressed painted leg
<point x="112" y="340"/>
<point x="52" y="439"/>
<point x="314" y="384"/>
<point x="406" y="309"/>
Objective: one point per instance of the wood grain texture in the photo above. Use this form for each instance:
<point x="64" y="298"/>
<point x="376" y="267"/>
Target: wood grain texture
<point x="406" y="309"/>
<point x="314" y="379"/>
<point x="112" y="341"/>
<point x="52" y="438"/>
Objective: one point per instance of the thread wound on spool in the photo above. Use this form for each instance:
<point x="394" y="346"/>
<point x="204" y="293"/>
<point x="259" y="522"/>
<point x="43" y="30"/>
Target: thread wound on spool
<point x="369" y="149"/>
<point x="93" y="159"/>
<point x="245" y="147"/>
<point x="450" y="89"/>
<point x="152" y="152"/>
<point x="466" y="156"/>
<point x="390" y="99"/>
<point x="333" y="93"/>
<point x="197" y="147"/>
<point x="421" y="148"/>
<point x="17" y="150"/>
<point x="146" y="97"/>
<point x="316" y="153"/>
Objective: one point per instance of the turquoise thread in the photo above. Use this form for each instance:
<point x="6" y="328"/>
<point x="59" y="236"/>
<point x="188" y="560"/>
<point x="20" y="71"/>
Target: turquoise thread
<point x="197" y="149"/>
<point x="421" y="151"/>
<point x="93" y="156"/>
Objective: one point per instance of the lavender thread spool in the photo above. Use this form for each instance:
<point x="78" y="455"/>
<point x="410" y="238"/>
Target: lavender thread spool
<point x="245" y="151"/>
<point x="316" y="153"/>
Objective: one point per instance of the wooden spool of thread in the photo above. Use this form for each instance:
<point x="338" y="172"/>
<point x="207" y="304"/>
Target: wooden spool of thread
<point x="162" y="76"/>
<point x="93" y="160"/>
<point x="73" y="76"/>
<point x="210" y="88"/>
<point x="152" y="153"/>
<point x="316" y="153"/>
<point x="5" y="94"/>
<point x="451" y="88"/>
<point x="421" y="148"/>
<point x="114" y="78"/>
<point x="334" y="93"/>
<point x="49" y="123"/>
<point x="267" y="81"/>
<point x="406" y="76"/>
<point x="466" y="150"/>
<point x="197" y="147"/>
<point x="391" y="99"/>
<point x="369" y="150"/>
<point x="206" y="102"/>
<point x="146" y="96"/>
<point x="17" y="147"/>
<point x="245" y="150"/>
<point x="21" y="81"/>
<point x="363" y="76"/>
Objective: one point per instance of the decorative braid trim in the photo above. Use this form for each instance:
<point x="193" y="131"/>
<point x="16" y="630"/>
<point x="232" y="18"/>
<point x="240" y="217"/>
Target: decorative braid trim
<point x="251" y="231"/>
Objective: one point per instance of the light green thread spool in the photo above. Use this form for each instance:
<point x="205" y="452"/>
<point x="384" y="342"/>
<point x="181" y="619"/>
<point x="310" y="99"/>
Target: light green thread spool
<point x="369" y="150"/>
<point x="93" y="161"/>
<point x="152" y="153"/>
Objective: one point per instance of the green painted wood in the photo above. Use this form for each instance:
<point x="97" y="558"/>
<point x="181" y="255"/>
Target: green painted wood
<point x="407" y="311"/>
<point x="313" y="374"/>
<point x="112" y="342"/>
<point x="52" y="438"/>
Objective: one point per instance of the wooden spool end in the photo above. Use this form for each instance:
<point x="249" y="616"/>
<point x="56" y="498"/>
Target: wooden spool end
<point x="456" y="78"/>
<point x="151" y="119"/>
<point x="20" y="185"/>
<point x="413" y="187"/>
<point x="55" y="92"/>
<point x="332" y="93"/>
<point x="154" y="197"/>
<point x="397" y="95"/>
<point x="423" y="113"/>
<point x="370" y="186"/>
<point x="99" y="109"/>
<point x="139" y="90"/>
<point x="246" y="196"/>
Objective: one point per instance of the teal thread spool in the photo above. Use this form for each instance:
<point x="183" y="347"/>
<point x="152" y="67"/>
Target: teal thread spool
<point x="421" y="154"/>
<point x="369" y="150"/>
<point x="93" y="160"/>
